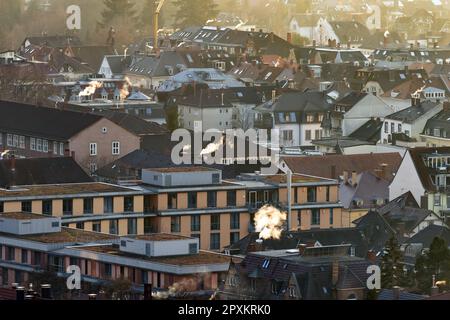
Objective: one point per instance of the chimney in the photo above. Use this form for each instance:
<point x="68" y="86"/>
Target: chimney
<point x="20" y="293"/>
<point x="148" y="288"/>
<point x="371" y="256"/>
<point x="446" y="105"/>
<point x="411" y="46"/>
<point x="46" y="291"/>
<point x="415" y="101"/>
<point x="396" y="293"/>
<point x="301" y="249"/>
<point x="92" y="296"/>
<point x="289" y="37"/>
<point x="354" y="179"/>
<point x="435" y="45"/>
<point x="333" y="172"/>
<point x="345" y="177"/>
<point x="335" y="273"/>
<point x="314" y="43"/>
<point x="259" y="245"/>
<point x="13" y="163"/>
<point x="384" y="171"/>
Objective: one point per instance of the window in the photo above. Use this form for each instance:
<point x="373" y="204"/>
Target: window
<point x="108" y="270"/>
<point x="175" y="224"/>
<point x="113" y="226"/>
<point x="231" y="198"/>
<point x="407" y="133"/>
<point x="172" y="201"/>
<point x="234" y="221"/>
<point x="26" y="206"/>
<point x="5" y="276"/>
<point x="32" y="144"/>
<point x="215" y="222"/>
<point x="88" y="205"/>
<point x="15" y="140"/>
<point x="24" y="256"/>
<point x="39" y="145"/>
<point x="234" y="237"/>
<point x="47" y="207"/>
<point x="287" y="135"/>
<point x="392" y="127"/>
<point x="37" y="258"/>
<point x="292" y="292"/>
<point x="92" y="167"/>
<point x="67" y="207"/>
<point x="327" y="197"/>
<point x="10" y="254"/>
<point x="128" y="204"/>
<point x="318" y="134"/>
<point x="21" y="142"/>
<point x="55" y="148"/>
<point x="96" y="226"/>
<point x="132" y="226"/>
<point x="80" y="225"/>
<point x="308" y="135"/>
<point x="93" y="149"/>
<point x="315" y="217"/>
<point x="9" y="140"/>
<point x="2" y="207"/>
<point x="437" y="132"/>
<point x="309" y="118"/>
<point x="215" y="241"/>
<point x="116" y="148"/>
<point x="192" y="200"/>
<point x="195" y="223"/>
<point x="108" y="204"/>
<point x="386" y="127"/>
<point x="399" y="127"/>
<point x="44" y="146"/>
<point x="437" y="199"/>
<point x="212" y="199"/>
<point x="193" y="248"/>
<point x="61" y="148"/>
<point x="311" y="194"/>
<point x="331" y="217"/>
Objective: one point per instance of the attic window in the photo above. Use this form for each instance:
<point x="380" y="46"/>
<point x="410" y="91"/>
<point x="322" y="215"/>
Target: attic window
<point x="266" y="264"/>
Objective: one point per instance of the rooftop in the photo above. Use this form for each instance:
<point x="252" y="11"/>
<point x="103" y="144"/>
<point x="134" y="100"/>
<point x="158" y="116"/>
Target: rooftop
<point x="22" y="216"/>
<point x="158" y="237"/>
<point x="62" y="189"/>
<point x="181" y="169"/>
<point x="201" y="258"/>
<point x="66" y="235"/>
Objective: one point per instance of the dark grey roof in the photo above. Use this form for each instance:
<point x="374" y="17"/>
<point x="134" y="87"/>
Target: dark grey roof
<point x="41" y="171"/>
<point x="388" y="294"/>
<point x="134" y="124"/>
<point x="411" y="114"/>
<point x="349" y="30"/>
<point x="427" y="235"/>
<point x="304" y="102"/>
<point x="54" y="41"/>
<point x="167" y="64"/>
<point x="440" y="121"/>
<point x="369" y="131"/>
<point x="43" y="122"/>
<point x="118" y="64"/>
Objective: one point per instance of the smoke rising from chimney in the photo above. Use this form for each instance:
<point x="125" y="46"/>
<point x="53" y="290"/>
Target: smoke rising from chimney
<point x="90" y="89"/>
<point x="269" y="222"/>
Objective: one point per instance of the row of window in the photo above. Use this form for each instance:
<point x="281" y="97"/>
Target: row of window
<point x="88" y="206"/>
<point x="316" y="217"/>
<point x="192" y="199"/>
<point x="115" y="148"/>
<point x="10" y="255"/>
<point x="175" y="223"/>
<point x="36" y="144"/>
<point x="391" y="126"/>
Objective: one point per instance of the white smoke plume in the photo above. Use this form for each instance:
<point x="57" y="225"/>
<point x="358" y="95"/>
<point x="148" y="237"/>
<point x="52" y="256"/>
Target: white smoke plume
<point x="125" y="91"/>
<point x="269" y="222"/>
<point x="212" y="147"/>
<point x="90" y="89"/>
<point x="176" y="289"/>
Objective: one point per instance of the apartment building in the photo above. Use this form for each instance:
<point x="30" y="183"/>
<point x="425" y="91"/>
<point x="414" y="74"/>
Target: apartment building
<point x="33" y="243"/>
<point x="186" y="201"/>
<point x="93" y="140"/>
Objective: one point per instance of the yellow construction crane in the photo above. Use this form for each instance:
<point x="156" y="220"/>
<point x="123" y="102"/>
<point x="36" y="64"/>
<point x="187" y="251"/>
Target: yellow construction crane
<point x="156" y="24"/>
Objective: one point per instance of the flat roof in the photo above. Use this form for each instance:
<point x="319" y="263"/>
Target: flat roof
<point x="203" y="257"/>
<point x="181" y="169"/>
<point x="23" y="216"/>
<point x="66" y="235"/>
<point x="63" y="189"/>
<point x="158" y="237"/>
<point x="296" y="178"/>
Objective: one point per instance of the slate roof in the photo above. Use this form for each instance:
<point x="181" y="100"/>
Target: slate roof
<point x="370" y="131"/>
<point x="304" y="102"/>
<point x="41" y="171"/>
<point x="427" y="235"/>
<point x="346" y="29"/>
<point x="411" y="114"/>
<point x="55" y="41"/>
<point x="377" y="40"/>
<point x="440" y="121"/>
<point x="134" y="124"/>
<point x="320" y="166"/>
<point x="118" y="64"/>
<point x="152" y="66"/>
<point x="43" y="122"/>
<point x="388" y="294"/>
<point x="92" y="54"/>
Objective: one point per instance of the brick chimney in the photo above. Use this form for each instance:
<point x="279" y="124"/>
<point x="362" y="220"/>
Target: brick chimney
<point x="345" y="177"/>
<point x="354" y="179"/>
<point x="446" y="105"/>
<point x="396" y="292"/>
<point x="301" y="249"/>
<point x="335" y="273"/>
<point x="371" y="256"/>
<point x="289" y="37"/>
